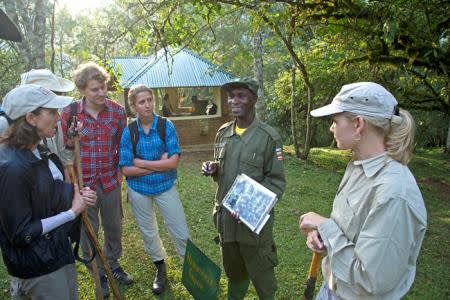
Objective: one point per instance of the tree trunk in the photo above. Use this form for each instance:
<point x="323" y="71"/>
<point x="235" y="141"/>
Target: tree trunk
<point x="258" y="73"/>
<point x="31" y="23"/>
<point x="61" y="53"/>
<point x="447" y="146"/>
<point x="308" y="135"/>
<point x="38" y="38"/>
<point x="52" y="42"/>
<point x="293" y="106"/>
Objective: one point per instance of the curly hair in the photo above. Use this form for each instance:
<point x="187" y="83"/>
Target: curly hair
<point x="89" y="71"/>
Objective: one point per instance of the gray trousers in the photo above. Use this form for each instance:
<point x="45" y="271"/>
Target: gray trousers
<point x="172" y="211"/>
<point x="110" y="207"/>
<point x="60" y="284"/>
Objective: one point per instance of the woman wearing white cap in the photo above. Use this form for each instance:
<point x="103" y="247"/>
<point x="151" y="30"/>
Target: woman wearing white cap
<point x="375" y="231"/>
<point x="37" y="209"/>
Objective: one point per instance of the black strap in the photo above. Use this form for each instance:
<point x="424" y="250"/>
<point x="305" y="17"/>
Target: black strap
<point x="3" y="114"/>
<point x="161" y="128"/>
<point x="134" y="133"/>
<point x="73" y="113"/>
<point x="90" y="245"/>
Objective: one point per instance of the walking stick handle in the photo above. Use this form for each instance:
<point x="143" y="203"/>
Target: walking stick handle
<point x="312" y="276"/>
<point x="314" y="266"/>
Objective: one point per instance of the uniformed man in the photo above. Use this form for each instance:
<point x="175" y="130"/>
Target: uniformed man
<point x="246" y="145"/>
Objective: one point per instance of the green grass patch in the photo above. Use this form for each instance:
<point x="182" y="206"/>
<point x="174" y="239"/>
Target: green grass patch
<point x="311" y="186"/>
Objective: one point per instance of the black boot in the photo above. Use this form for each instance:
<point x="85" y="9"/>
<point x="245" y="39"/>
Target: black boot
<point x="105" y="287"/>
<point x="160" y="279"/>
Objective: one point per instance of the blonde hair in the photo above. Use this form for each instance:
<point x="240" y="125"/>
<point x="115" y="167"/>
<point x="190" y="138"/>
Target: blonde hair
<point x="134" y="91"/>
<point x="398" y="136"/>
<point x="89" y="71"/>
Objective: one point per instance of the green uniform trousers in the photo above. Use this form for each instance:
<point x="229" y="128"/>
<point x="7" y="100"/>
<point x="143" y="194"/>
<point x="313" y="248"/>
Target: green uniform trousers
<point x="243" y="263"/>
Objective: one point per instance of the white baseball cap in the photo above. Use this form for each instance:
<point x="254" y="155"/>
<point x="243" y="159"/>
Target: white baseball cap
<point x="362" y="98"/>
<point x="47" y="79"/>
<point x="29" y="97"/>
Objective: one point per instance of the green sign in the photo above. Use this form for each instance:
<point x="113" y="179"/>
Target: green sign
<point x="201" y="275"/>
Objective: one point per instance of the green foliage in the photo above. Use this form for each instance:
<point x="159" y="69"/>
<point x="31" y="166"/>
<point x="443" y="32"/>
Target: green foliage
<point x="400" y="44"/>
<point x="432" y="127"/>
<point x="9" y="69"/>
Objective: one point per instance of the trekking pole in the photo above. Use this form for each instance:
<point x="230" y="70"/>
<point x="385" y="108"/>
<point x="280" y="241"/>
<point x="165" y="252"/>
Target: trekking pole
<point x="312" y="276"/>
<point x="90" y="230"/>
<point x="98" y="289"/>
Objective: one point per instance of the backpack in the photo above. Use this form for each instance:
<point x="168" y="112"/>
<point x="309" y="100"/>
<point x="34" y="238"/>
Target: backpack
<point x="73" y="113"/>
<point x="134" y="132"/>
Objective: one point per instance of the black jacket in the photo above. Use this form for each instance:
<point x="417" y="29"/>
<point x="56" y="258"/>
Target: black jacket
<point x="28" y="193"/>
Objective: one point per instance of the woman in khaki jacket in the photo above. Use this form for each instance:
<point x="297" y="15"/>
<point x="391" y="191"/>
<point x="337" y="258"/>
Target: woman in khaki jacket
<point x="375" y="231"/>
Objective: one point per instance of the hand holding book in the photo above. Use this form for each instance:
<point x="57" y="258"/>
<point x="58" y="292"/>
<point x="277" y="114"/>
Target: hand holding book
<point x="250" y="202"/>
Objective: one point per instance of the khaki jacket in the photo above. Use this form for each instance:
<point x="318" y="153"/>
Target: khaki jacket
<point x="375" y="231"/>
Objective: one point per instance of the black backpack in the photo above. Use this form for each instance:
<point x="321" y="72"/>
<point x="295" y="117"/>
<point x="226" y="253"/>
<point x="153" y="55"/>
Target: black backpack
<point x="134" y="132"/>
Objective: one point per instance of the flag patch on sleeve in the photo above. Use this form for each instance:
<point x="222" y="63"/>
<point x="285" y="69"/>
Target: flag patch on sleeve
<point x="279" y="153"/>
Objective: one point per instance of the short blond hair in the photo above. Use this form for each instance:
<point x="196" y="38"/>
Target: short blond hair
<point x="134" y="91"/>
<point x="89" y="71"/>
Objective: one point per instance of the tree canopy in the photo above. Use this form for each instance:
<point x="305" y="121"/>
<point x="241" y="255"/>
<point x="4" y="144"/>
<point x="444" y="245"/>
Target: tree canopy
<point x="400" y="44"/>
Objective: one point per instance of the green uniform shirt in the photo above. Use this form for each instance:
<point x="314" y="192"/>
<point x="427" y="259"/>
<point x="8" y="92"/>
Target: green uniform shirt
<point x="258" y="154"/>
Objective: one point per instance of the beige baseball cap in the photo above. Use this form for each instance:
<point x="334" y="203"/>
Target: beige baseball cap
<point x="47" y="79"/>
<point x="29" y="97"/>
<point x="362" y="98"/>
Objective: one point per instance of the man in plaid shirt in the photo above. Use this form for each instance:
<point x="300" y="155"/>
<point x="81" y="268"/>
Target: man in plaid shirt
<point x="102" y="124"/>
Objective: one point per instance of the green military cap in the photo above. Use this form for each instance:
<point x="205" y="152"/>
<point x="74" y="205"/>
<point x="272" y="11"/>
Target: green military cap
<point x="245" y="82"/>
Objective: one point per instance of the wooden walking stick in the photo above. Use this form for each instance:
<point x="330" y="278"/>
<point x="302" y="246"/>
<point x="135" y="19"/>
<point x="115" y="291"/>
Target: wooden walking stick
<point x="98" y="289"/>
<point x="90" y="231"/>
<point x="312" y="276"/>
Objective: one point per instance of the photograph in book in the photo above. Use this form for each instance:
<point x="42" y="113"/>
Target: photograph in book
<point x="251" y="200"/>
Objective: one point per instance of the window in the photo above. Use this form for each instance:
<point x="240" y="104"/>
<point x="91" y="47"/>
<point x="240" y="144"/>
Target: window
<point x="185" y="102"/>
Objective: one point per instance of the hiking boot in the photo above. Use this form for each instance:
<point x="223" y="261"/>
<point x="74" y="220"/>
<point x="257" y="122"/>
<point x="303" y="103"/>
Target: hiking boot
<point x="160" y="279"/>
<point x="122" y="276"/>
<point x="105" y="287"/>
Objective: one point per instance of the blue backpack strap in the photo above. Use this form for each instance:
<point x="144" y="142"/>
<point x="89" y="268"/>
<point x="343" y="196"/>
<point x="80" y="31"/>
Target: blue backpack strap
<point x="134" y="135"/>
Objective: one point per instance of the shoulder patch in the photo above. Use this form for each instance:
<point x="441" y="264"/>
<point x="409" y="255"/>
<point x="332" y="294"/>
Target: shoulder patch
<point x="270" y="131"/>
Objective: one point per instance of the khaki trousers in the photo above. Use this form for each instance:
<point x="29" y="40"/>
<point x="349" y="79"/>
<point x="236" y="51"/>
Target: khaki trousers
<point x="172" y="211"/>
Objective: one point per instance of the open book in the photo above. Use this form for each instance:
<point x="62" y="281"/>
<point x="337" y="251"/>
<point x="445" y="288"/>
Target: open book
<point x="251" y="200"/>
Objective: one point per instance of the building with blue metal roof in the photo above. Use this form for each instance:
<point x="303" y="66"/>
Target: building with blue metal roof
<point x="187" y="90"/>
<point x="168" y="69"/>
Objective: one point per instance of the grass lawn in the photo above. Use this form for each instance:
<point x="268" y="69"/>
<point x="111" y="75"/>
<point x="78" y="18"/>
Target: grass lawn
<point x="310" y="187"/>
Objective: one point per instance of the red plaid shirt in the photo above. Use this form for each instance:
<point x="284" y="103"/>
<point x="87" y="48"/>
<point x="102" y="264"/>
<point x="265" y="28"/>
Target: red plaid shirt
<point x="99" y="143"/>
